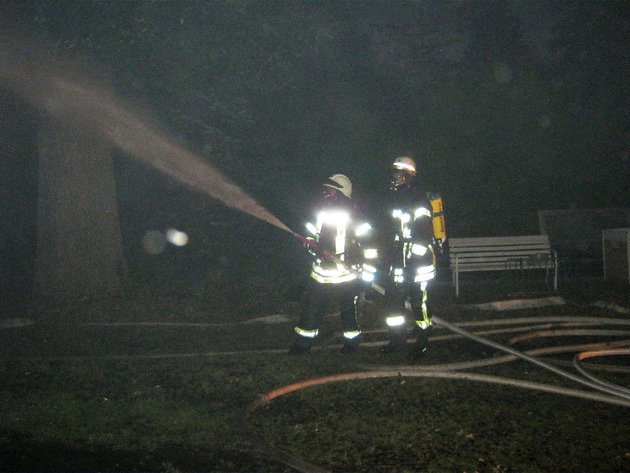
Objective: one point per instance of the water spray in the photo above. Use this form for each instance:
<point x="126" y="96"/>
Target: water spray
<point x="70" y="97"/>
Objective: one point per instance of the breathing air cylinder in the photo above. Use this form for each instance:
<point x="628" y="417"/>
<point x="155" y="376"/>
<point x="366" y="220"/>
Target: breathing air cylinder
<point x="439" y="226"/>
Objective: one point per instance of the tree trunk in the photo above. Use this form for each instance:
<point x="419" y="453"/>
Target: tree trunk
<point x="79" y="242"/>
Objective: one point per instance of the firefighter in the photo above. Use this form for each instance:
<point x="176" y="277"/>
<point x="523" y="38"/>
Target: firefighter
<point x="411" y="259"/>
<point x="343" y="263"/>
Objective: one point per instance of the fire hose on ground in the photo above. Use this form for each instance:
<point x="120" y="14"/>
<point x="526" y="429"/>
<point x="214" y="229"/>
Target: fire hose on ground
<point x="615" y="395"/>
<point x="609" y="393"/>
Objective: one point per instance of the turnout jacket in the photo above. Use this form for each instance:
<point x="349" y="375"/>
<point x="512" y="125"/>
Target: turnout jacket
<point x="412" y="257"/>
<point x="346" y="249"/>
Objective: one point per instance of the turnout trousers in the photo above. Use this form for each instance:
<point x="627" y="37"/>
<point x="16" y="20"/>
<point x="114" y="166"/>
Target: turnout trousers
<point x="396" y="297"/>
<point x="319" y="299"/>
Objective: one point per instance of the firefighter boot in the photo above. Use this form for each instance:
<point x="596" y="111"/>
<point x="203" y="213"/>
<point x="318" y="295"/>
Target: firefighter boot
<point x="419" y="348"/>
<point x="397" y="340"/>
<point x="301" y="346"/>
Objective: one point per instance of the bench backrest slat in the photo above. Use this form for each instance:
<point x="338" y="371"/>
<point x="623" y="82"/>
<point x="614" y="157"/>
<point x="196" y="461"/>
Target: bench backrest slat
<point x="498" y="241"/>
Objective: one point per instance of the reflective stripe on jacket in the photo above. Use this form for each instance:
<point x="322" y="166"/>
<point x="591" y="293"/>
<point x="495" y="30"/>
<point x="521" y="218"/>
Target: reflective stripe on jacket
<point x="336" y="231"/>
<point x="415" y="258"/>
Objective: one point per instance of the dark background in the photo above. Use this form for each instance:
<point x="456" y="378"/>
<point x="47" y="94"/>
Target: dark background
<point x="508" y="107"/>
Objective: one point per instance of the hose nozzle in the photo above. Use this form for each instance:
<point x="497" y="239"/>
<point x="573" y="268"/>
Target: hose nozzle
<point x="306" y="241"/>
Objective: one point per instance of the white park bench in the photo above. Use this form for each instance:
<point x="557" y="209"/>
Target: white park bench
<point x="509" y="253"/>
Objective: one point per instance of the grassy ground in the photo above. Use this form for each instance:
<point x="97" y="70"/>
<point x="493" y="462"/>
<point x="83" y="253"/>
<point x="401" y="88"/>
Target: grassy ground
<point x="88" y="388"/>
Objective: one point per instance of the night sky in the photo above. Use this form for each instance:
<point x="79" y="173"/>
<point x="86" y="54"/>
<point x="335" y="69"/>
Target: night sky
<point x="509" y="107"/>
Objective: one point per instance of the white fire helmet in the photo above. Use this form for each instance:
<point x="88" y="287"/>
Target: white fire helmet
<point x="341" y="183"/>
<point x="405" y="164"/>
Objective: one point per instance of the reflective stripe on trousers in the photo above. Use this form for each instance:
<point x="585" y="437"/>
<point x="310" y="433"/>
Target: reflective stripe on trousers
<point x="419" y="307"/>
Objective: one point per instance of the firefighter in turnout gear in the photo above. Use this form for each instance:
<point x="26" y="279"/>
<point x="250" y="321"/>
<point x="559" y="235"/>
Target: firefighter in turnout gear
<point x="412" y="263"/>
<point x="343" y="263"/>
